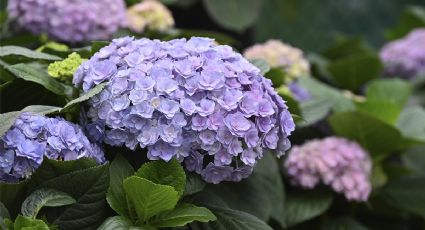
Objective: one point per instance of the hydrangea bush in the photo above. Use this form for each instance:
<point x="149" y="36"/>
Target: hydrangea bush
<point x="192" y="100"/>
<point x="405" y="57"/>
<point x="334" y="161"/>
<point x="33" y="137"/>
<point x="70" y="21"/>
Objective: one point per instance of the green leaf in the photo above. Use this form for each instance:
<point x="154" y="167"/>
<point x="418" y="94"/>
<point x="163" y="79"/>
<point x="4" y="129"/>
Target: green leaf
<point x="248" y="195"/>
<point x="386" y="111"/>
<point x="342" y="223"/>
<point x="233" y="14"/>
<point x="97" y="45"/>
<point x="406" y="193"/>
<point x="414" y="159"/>
<point x="25" y="223"/>
<point x="354" y="71"/>
<point x="411" y="123"/>
<point x="88" y="187"/>
<point x="314" y="110"/>
<point x="194" y="184"/>
<point x="229" y="219"/>
<point x="320" y="91"/>
<point x="41" y="109"/>
<point x="165" y="173"/>
<point x="31" y="73"/>
<point x="277" y="75"/>
<point x="373" y="134"/>
<point x="12" y="195"/>
<point x="413" y="17"/>
<point x="24" y="52"/>
<point x="84" y="97"/>
<point x="118" y="171"/>
<point x="44" y="198"/>
<point x="149" y="199"/>
<point x="119" y="223"/>
<point x="7" y="120"/>
<point x="391" y="90"/>
<point x="269" y="178"/>
<point x="4" y="213"/>
<point x="261" y="64"/>
<point x="304" y="205"/>
<point x="182" y="215"/>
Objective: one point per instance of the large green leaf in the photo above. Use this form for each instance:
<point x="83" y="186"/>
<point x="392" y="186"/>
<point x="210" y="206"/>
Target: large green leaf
<point x="413" y="17"/>
<point x="44" y="198"/>
<point x="229" y="219"/>
<point x="342" y="223"/>
<point x="41" y="109"/>
<point x="165" y="173"/>
<point x="391" y="90"/>
<point x="411" y="123"/>
<point x="270" y="179"/>
<point x="194" y="184"/>
<point x="386" y="111"/>
<point x="118" y="171"/>
<point x="414" y="159"/>
<point x="25" y="223"/>
<point x="12" y="195"/>
<point x="320" y="91"/>
<point x="305" y="205"/>
<point x="4" y="213"/>
<point x="406" y="193"/>
<point x="149" y="199"/>
<point x="248" y="195"/>
<point x="32" y="73"/>
<point x="24" y="52"/>
<point x="88" y="187"/>
<point x="119" y="223"/>
<point x="354" y="71"/>
<point x="233" y="14"/>
<point x="373" y="134"/>
<point x="182" y="215"/>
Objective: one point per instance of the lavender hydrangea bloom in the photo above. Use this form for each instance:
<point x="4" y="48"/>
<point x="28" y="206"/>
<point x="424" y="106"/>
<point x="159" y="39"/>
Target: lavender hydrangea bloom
<point x="299" y="93"/>
<point x="334" y="161"/>
<point x="195" y="101"/>
<point x="32" y="137"/>
<point x="405" y="57"/>
<point x="71" y="21"/>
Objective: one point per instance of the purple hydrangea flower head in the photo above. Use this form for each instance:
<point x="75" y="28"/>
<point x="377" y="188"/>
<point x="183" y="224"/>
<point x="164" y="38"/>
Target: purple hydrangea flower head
<point x="70" y="20"/>
<point x="405" y="57"/>
<point x="337" y="162"/>
<point x="32" y="137"/>
<point x="192" y="100"/>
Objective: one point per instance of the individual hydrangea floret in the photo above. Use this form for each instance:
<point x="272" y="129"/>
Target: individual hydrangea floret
<point x="290" y="59"/>
<point x="70" y="21"/>
<point x="336" y="162"/>
<point x="405" y="57"/>
<point x="151" y="15"/>
<point x="32" y="137"/>
<point x="64" y="70"/>
<point x="192" y="100"/>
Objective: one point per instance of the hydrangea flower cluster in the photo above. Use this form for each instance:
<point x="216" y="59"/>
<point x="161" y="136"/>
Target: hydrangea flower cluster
<point x="32" y="137"/>
<point x="405" y="57"/>
<point x="64" y="70"/>
<point x="192" y="100"/>
<point x="70" y="20"/>
<point x="151" y="15"/>
<point x="334" y="161"/>
<point x="290" y="59"/>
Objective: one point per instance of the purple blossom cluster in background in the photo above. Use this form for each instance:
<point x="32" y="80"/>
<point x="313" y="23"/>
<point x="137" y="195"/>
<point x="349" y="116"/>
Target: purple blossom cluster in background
<point x="201" y="103"/>
<point x="334" y="161"/>
<point x="70" y="20"/>
<point x="299" y="93"/>
<point x="405" y="57"/>
<point x="32" y="137"/>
